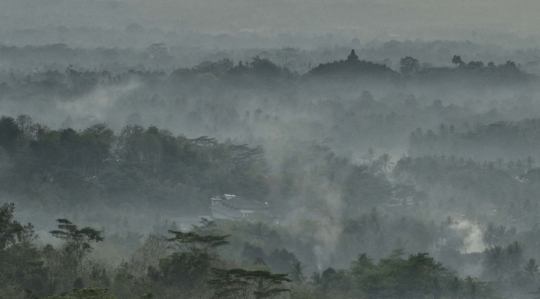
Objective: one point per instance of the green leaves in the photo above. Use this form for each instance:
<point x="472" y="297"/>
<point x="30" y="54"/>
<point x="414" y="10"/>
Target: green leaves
<point x="242" y="284"/>
<point x="9" y="133"/>
<point x="11" y="231"/>
<point x="69" y="232"/>
<point x="20" y="261"/>
<point x="85" y="293"/>
<point x="501" y="260"/>
<point x="418" y="276"/>
<point x="97" y="165"/>
<point x="362" y="189"/>
<point x="195" y="241"/>
<point x="77" y="240"/>
<point x="184" y="270"/>
<point x="189" y="266"/>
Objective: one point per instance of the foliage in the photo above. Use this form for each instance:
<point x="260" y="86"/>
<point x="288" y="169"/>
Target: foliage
<point x="514" y="140"/>
<point x="243" y="284"/>
<point x="193" y="269"/>
<point x="78" y="241"/>
<point x="20" y="260"/>
<point x="195" y="242"/>
<point x="184" y="270"/>
<point x="409" y="65"/>
<point x="499" y="261"/>
<point x="189" y="265"/>
<point x="272" y="135"/>
<point x="11" y="231"/>
<point x="363" y="189"/>
<point x="86" y="293"/>
<point x="97" y="165"/>
<point x="419" y="276"/>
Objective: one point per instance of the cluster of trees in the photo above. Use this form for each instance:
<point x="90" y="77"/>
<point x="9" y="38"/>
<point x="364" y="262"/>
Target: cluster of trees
<point x="500" y="197"/>
<point x="410" y="65"/>
<point x="43" y="52"/>
<point x="191" y="264"/>
<point x="508" y="266"/>
<point x="471" y="75"/>
<point x="260" y="71"/>
<point x="516" y="141"/>
<point x="482" y="182"/>
<point x="417" y="276"/>
<point x="139" y="166"/>
<point x="302" y="143"/>
<point x="377" y="211"/>
<point x="32" y="271"/>
<point x="28" y="270"/>
<point x="136" y="165"/>
<point x="240" y="100"/>
<point x="250" y="101"/>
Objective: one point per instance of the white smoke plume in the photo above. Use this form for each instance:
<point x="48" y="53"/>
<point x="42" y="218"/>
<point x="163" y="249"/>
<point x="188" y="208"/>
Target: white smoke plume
<point x="471" y="234"/>
<point x="324" y="221"/>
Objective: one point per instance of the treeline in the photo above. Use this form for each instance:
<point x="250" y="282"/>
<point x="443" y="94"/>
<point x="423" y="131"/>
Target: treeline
<point x="144" y="165"/>
<point x="205" y="263"/>
<point x="472" y="74"/>
<point x="510" y="191"/>
<point x="151" y="166"/>
<point x="516" y="141"/>
<point x="259" y="72"/>
<point x="192" y="265"/>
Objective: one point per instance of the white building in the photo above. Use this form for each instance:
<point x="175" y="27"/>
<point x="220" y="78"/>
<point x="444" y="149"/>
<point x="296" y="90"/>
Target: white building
<point x="235" y="208"/>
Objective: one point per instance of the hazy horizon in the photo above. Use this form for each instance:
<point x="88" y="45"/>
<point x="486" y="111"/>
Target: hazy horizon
<point x="479" y="21"/>
<point x="287" y="149"/>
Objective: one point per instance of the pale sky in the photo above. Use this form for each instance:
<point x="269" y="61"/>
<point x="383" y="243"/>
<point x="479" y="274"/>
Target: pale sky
<point x="400" y="18"/>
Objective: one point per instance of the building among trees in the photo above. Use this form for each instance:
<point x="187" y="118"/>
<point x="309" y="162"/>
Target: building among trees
<point x="234" y="207"/>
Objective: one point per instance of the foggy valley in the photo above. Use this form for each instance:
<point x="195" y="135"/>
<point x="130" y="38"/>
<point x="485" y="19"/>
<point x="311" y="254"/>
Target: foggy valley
<point x="280" y="149"/>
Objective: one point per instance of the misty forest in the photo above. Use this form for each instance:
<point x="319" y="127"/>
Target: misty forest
<point x="205" y="150"/>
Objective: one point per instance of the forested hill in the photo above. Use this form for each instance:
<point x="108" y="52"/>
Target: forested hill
<point x="517" y="141"/>
<point x="147" y="166"/>
<point x="126" y="155"/>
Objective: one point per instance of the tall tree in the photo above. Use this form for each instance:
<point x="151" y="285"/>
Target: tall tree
<point x="78" y="241"/>
<point x="457" y="60"/>
<point x="9" y="134"/>
<point x="11" y="231"/>
<point x="409" y="65"/>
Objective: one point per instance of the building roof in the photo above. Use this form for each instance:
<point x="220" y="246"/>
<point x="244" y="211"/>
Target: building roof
<point x="240" y="203"/>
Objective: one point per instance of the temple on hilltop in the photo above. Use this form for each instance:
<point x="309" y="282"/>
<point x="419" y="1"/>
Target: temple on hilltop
<point x="352" y="56"/>
<point x="352" y="67"/>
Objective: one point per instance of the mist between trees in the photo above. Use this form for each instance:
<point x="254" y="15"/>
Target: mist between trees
<point x="262" y="178"/>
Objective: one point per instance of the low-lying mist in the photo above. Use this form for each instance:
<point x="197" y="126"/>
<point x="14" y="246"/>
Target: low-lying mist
<point x="146" y="171"/>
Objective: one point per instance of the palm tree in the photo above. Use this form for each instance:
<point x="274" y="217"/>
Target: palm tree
<point x="363" y="262"/>
<point x="297" y="272"/>
<point x="472" y="288"/>
<point x="489" y="235"/>
<point x="454" y="287"/>
<point x="494" y="260"/>
<point x="385" y="159"/>
<point x="531" y="267"/>
<point x="530" y="162"/>
<point x="514" y="252"/>
<point x="369" y="155"/>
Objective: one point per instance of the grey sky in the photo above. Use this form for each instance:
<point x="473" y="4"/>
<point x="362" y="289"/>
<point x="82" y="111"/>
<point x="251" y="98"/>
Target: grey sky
<point x="429" y="19"/>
